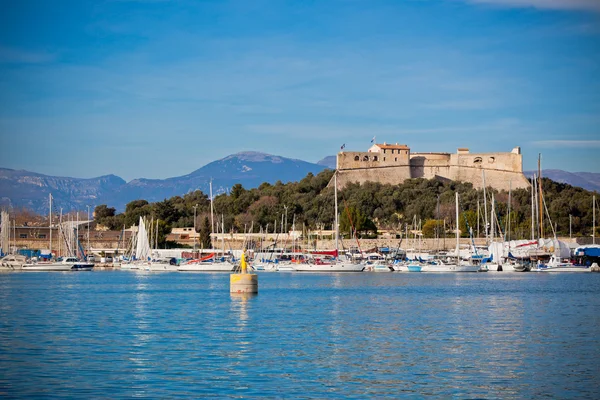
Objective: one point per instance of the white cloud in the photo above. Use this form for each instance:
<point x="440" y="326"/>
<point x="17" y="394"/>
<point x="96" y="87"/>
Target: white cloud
<point x="583" y="5"/>
<point x="569" y="143"/>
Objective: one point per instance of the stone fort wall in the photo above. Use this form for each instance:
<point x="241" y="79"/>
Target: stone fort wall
<point x="502" y="170"/>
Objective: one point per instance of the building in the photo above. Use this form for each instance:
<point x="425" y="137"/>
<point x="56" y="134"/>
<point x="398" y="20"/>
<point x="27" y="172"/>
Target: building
<point x="394" y="163"/>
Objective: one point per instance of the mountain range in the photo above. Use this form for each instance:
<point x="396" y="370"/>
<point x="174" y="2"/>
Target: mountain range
<point x="31" y="190"/>
<point x="587" y="180"/>
<point x="19" y="188"/>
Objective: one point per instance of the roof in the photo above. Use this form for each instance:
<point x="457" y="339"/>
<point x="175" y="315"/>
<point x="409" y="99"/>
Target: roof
<point x="392" y="146"/>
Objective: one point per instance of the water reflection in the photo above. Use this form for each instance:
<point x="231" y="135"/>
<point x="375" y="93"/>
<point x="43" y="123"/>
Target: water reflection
<point x="322" y="336"/>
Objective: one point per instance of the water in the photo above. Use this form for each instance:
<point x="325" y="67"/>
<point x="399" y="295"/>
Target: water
<point x="126" y="334"/>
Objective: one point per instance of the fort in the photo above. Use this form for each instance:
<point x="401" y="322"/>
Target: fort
<point x="394" y="163"/>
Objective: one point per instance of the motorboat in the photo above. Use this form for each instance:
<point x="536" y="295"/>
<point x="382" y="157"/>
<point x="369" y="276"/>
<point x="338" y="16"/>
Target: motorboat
<point x="379" y="267"/>
<point x="414" y="267"/>
<point x="556" y="265"/>
<point x="207" y="266"/>
<point x="64" y="264"/>
<point x="319" y="264"/>
<point x="161" y="264"/>
<point x="12" y="262"/>
<point x="377" y="263"/>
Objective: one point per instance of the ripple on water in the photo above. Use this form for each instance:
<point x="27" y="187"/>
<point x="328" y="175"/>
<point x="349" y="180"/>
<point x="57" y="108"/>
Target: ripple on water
<point x="117" y="334"/>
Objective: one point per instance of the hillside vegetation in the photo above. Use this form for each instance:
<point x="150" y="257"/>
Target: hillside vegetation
<point x="370" y="207"/>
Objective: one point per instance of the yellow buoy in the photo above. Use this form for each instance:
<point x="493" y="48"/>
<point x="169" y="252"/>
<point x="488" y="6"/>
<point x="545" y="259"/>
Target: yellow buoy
<point x="243" y="282"/>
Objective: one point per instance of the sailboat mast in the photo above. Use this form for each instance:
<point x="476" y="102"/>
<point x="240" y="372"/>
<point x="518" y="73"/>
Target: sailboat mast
<point x="335" y="202"/>
<point x="492" y="218"/>
<point x="478" y="218"/>
<point x="437" y="226"/>
<point x="50" y="223"/>
<point x="223" y="234"/>
<point x="457" y="237"/>
<point x="541" y="210"/>
<point x="594" y="219"/>
<point x="485" y="207"/>
<point x="212" y="218"/>
<point x="509" y="201"/>
<point x="60" y="233"/>
<point x="532" y="208"/>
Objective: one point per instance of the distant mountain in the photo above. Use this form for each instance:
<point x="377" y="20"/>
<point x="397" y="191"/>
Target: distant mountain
<point x="329" y="162"/>
<point x="586" y="180"/>
<point x="30" y="190"/>
<point x="247" y="168"/>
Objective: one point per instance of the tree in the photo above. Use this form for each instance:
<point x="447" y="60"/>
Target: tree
<point x="469" y="217"/>
<point x="205" y="239"/>
<point x="433" y="228"/>
<point x="351" y="217"/>
<point x="136" y="209"/>
<point x="103" y="211"/>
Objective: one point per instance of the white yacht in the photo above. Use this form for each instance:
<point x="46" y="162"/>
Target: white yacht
<point x="440" y="266"/>
<point x="207" y="266"/>
<point x="65" y="264"/>
<point x="556" y="265"/>
<point x="12" y="262"/>
<point x="328" y="266"/>
<point x="161" y="264"/>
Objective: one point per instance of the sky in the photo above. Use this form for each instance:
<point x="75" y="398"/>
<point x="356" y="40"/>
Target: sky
<point x="156" y="89"/>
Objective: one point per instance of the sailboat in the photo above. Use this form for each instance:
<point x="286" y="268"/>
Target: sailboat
<point x="70" y="263"/>
<point x="460" y="266"/>
<point x="334" y="265"/>
<point x="142" y="249"/>
<point x="209" y="263"/>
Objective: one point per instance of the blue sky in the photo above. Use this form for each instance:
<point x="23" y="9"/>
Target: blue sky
<point x="154" y="89"/>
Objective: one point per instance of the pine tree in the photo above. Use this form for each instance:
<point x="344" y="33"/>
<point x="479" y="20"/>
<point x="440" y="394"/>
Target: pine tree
<point x="205" y="240"/>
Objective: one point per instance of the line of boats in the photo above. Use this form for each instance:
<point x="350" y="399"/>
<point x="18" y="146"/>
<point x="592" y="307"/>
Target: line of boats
<point x="332" y="261"/>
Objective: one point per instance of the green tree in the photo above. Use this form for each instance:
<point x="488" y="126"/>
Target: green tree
<point x="352" y="217"/>
<point x="469" y="217"/>
<point x="205" y="239"/>
<point x="136" y="209"/>
<point x="433" y="228"/>
<point x="103" y="211"/>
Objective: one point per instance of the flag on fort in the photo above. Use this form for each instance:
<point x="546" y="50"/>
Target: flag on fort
<point x="373" y="140"/>
<point x="343" y="146"/>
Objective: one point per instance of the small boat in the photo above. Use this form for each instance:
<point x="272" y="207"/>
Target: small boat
<point x="162" y="264"/>
<point x="210" y="266"/>
<point x="380" y="268"/>
<point x="555" y="265"/>
<point x="467" y="268"/>
<point x="377" y="263"/>
<point x="327" y="265"/>
<point x="12" y="262"/>
<point x="285" y="267"/>
<point x="414" y="267"/>
<point x="66" y="264"/>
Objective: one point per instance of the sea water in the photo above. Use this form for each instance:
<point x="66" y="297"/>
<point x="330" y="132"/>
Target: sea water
<point x="113" y="334"/>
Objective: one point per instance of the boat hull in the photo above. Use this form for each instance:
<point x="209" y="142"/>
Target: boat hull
<point x="570" y="268"/>
<point x="329" y="267"/>
<point x="206" y="267"/>
<point x="414" y="268"/>
<point x="59" y="267"/>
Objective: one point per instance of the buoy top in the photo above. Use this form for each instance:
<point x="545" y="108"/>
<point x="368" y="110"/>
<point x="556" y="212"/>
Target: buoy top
<point x="243" y="262"/>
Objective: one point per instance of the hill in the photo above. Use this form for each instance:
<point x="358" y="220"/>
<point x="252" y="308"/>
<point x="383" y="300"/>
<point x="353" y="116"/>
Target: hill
<point x="30" y="189"/>
<point x="586" y="180"/>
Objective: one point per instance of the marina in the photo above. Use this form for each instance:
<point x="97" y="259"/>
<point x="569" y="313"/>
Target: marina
<point x="300" y="200"/>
